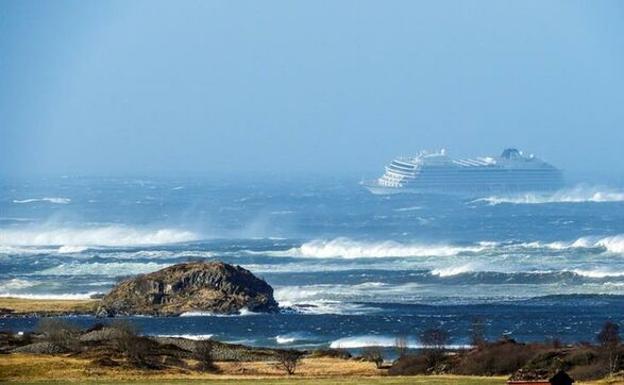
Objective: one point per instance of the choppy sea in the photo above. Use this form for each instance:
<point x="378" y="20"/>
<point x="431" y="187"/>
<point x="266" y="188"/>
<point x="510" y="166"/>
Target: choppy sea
<point x="349" y="268"/>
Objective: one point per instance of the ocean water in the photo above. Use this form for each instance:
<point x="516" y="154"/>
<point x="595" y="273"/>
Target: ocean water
<point x="349" y="268"/>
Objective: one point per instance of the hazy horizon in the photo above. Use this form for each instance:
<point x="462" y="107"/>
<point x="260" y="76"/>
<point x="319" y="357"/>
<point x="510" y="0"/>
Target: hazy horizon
<point x="279" y="88"/>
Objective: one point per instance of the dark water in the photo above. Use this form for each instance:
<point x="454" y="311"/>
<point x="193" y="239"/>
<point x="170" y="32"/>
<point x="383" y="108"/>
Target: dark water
<point x="350" y="268"/>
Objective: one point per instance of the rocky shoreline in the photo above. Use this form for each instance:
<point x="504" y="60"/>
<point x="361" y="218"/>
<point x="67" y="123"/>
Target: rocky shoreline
<point x="210" y="287"/>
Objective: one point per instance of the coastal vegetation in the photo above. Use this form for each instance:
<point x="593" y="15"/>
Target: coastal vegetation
<point x="113" y="349"/>
<point x="116" y="351"/>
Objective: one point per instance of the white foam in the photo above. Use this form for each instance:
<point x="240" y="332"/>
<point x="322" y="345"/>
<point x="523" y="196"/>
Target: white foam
<point x="578" y="194"/>
<point x="452" y="270"/>
<point x="347" y="248"/>
<point x="356" y="342"/>
<point x="68" y="249"/>
<point x="55" y="200"/>
<point x="112" y="269"/>
<point x="598" y="273"/>
<point x="285" y="340"/>
<point x="16" y="284"/>
<point x="69" y="296"/>
<point x="328" y="299"/>
<point x="93" y="236"/>
<point x="613" y="244"/>
<point x="195" y="337"/>
<point x="241" y="312"/>
<point x="410" y="208"/>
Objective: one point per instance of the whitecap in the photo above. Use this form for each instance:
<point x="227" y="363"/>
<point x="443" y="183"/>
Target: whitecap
<point x="598" y="273"/>
<point x="93" y="236"/>
<point x="16" y="284"/>
<point x="284" y="340"/>
<point x="195" y="337"/>
<point x="55" y="200"/>
<point x="112" y="269"/>
<point x="68" y="249"/>
<point x="348" y="248"/>
<point x="409" y="208"/>
<point x="579" y="194"/>
<point x="356" y="342"/>
<point x="198" y="313"/>
<point x="452" y="270"/>
<point x="66" y="296"/>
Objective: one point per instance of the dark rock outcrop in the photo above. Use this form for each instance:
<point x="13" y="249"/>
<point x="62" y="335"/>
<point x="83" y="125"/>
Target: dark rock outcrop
<point x="214" y="287"/>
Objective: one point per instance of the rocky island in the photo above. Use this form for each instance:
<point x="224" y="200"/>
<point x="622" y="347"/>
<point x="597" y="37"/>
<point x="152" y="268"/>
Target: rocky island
<point x="212" y="287"/>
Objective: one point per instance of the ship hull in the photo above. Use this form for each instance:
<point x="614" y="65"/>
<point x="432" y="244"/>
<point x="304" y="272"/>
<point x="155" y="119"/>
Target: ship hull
<point x="467" y="185"/>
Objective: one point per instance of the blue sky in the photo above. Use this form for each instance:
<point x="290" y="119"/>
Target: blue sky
<point x="330" y="87"/>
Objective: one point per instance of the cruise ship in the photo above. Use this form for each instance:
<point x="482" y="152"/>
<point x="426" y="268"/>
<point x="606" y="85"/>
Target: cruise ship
<point x="436" y="172"/>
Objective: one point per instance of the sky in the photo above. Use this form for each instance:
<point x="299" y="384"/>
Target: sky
<point x="306" y="87"/>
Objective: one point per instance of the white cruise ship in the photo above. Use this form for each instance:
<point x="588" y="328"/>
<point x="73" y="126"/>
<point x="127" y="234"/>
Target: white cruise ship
<point x="436" y="172"/>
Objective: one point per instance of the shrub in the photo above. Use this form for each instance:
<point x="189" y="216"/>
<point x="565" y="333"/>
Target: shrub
<point x="409" y="365"/>
<point x="400" y="346"/>
<point x="137" y="349"/>
<point x="477" y="332"/>
<point x="499" y="358"/>
<point x="434" y="342"/>
<point x="287" y="360"/>
<point x="609" y="340"/>
<point x="60" y="333"/>
<point x="124" y="335"/>
<point x="373" y="354"/>
<point x="203" y="355"/>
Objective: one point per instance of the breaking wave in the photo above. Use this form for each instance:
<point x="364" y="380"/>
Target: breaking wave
<point x="72" y="296"/>
<point x="575" y="195"/>
<point x="356" y="342"/>
<point x="347" y="248"/>
<point x="242" y="312"/>
<point x="195" y="337"/>
<point x="71" y="238"/>
<point x="452" y="271"/>
<point x="614" y="244"/>
<point x="113" y="269"/>
<point x="55" y="200"/>
<point x="16" y="284"/>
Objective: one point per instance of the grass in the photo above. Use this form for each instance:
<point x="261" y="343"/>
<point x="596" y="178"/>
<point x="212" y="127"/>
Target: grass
<point x="50" y="306"/>
<point x="434" y="380"/>
<point x="39" y="369"/>
<point x="62" y="369"/>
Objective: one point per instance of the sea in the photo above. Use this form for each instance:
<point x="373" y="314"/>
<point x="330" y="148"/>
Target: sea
<point x="349" y="268"/>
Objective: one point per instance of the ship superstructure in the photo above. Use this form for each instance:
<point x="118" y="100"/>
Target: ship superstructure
<point x="436" y="172"/>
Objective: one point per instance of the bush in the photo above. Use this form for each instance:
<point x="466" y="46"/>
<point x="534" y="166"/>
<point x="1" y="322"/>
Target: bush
<point x="408" y="366"/>
<point x="609" y="340"/>
<point x="124" y="335"/>
<point x="287" y="360"/>
<point x="499" y="358"/>
<point x="400" y="346"/>
<point x="203" y="355"/>
<point x="139" y="353"/>
<point x="477" y="332"/>
<point x="137" y="349"/>
<point x="60" y="333"/>
<point x="373" y="354"/>
<point x="434" y="342"/>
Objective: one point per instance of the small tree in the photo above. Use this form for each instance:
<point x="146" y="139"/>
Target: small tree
<point x="60" y="333"/>
<point x="609" y="340"/>
<point x="434" y="342"/>
<point x="477" y="332"/>
<point x="123" y="335"/>
<point x="137" y="349"/>
<point x="287" y="360"/>
<point x="400" y="346"/>
<point x="203" y="355"/>
<point x="373" y="354"/>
